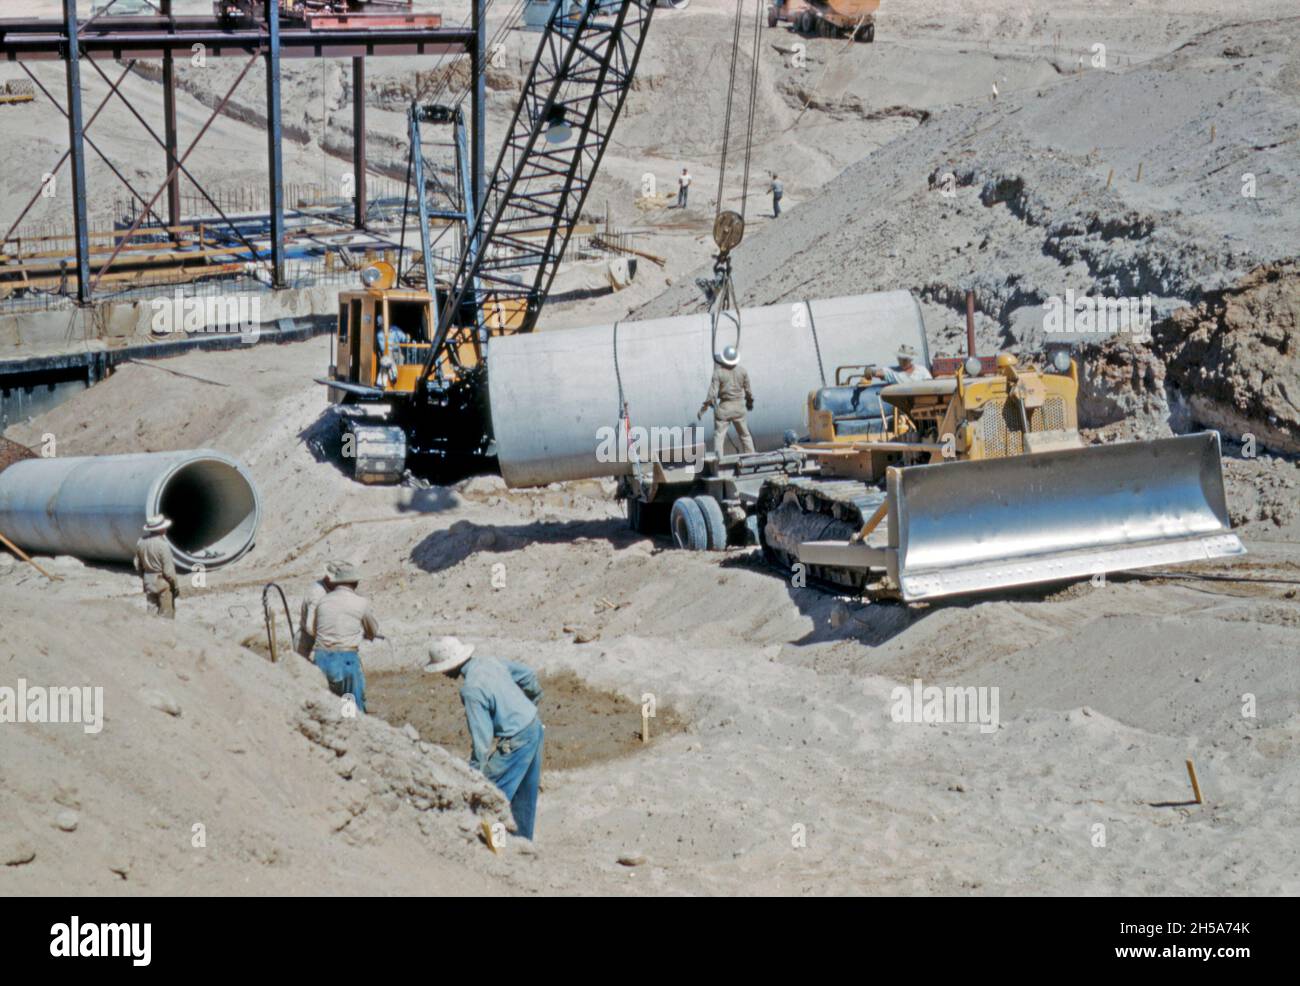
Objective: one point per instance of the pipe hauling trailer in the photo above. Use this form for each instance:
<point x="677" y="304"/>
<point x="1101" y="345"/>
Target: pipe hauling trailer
<point x="975" y="480"/>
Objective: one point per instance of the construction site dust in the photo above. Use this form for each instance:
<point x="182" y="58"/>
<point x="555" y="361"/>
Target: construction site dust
<point x="613" y="447"/>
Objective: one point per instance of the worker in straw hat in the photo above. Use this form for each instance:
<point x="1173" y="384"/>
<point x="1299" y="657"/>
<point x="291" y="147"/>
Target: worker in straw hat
<point x="157" y="568"/>
<point x="500" y="699"/>
<point x="731" y="399"/>
<point x="307" y="609"/>
<point x="907" y="370"/>
<point x="342" y="619"/>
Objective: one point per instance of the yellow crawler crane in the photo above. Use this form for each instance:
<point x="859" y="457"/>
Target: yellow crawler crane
<point x="980" y="480"/>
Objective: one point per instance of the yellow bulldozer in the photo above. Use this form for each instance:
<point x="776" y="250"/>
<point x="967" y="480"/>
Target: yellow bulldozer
<point x="980" y="480"/>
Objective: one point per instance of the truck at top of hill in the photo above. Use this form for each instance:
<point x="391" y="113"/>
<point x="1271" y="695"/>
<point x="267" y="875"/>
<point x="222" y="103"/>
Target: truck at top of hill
<point x="828" y="18"/>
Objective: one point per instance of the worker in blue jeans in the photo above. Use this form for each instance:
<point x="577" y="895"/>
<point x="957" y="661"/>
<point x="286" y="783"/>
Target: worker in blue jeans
<point x="500" y="699"/>
<point x="340" y="621"/>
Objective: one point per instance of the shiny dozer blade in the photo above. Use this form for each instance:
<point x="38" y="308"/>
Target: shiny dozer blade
<point x="970" y="526"/>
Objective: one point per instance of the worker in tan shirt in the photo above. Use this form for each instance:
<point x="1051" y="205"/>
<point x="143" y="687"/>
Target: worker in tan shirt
<point x="342" y="619"/>
<point x="730" y="398"/>
<point x="307" y="609"/>
<point x="157" y="568"/>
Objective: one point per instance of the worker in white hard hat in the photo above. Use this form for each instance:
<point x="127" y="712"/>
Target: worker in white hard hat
<point x="907" y="370"/>
<point x="342" y="619"/>
<point x="307" y="609"/>
<point x="730" y="398"/>
<point x="500" y="699"/>
<point x="157" y="567"/>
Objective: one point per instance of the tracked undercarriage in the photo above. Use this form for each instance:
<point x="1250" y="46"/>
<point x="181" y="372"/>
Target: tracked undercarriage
<point x="807" y="508"/>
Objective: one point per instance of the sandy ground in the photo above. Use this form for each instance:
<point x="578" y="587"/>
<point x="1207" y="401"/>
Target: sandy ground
<point x="788" y="774"/>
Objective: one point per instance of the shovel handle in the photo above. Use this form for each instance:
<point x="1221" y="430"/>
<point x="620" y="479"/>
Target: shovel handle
<point x="27" y="558"/>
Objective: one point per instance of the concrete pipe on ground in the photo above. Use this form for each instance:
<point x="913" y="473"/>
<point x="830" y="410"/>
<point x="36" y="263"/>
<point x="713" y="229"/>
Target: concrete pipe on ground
<point x="94" y="507"/>
<point x="555" y="395"/>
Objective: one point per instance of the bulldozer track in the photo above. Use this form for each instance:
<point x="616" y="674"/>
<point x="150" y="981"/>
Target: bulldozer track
<point x="843" y="503"/>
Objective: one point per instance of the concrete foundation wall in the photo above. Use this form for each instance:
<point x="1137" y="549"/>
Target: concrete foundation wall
<point x="114" y="324"/>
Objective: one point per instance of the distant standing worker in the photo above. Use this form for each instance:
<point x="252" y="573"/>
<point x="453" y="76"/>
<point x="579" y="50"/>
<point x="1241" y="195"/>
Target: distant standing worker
<point x="683" y="188"/>
<point x="500" y="699"/>
<point x="777" y="190"/>
<point x="730" y="398"/>
<point x="307" y="609"/>
<point x="342" y="619"/>
<point x="906" y="371"/>
<point x="157" y="568"/>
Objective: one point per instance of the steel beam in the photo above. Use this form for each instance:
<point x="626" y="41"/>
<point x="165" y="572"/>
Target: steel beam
<point x="359" y="139"/>
<point x="144" y="37"/>
<point x="169" y="129"/>
<point x="275" y="155"/>
<point x="77" y="146"/>
<point x="478" y="103"/>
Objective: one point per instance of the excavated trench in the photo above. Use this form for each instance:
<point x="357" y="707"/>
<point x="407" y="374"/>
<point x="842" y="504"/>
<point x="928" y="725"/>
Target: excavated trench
<point x="584" y="725"/>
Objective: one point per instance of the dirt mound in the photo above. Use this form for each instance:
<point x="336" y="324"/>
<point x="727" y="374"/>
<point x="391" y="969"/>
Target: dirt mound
<point x="11" y="452"/>
<point x="209" y="766"/>
<point x="1235" y="357"/>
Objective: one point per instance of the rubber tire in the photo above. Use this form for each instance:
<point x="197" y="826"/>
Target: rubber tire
<point x="868" y="34"/>
<point x="687" y="525"/>
<point x="714" y="522"/>
<point x="805" y="25"/>
<point x="772" y="19"/>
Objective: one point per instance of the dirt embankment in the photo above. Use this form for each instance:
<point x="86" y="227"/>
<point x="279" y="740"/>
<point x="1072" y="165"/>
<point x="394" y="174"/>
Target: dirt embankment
<point x="1235" y="357"/>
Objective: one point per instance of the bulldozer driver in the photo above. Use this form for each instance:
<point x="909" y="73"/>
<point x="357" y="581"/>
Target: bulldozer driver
<point x="730" y="398"/>
<point x="907" y="370"/>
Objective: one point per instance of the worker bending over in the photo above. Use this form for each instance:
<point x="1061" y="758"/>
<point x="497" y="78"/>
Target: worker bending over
<point x="907" y="370"/>
<point x="157" y="568"/>
<point x="342" y="619"/>
<point x="307" y="609"/>
<point x="730" y="397"/>
<point x="500" y="699"/>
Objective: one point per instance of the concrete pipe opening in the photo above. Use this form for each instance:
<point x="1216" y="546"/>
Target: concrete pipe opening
<point x="94" y="507"/>
<point x="214" y="512"/>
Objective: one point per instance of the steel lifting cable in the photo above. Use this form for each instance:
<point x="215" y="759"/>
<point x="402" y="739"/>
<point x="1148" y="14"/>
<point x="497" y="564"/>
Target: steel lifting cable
<point x="624" y="412"/>
<point x="618" y="378"/>
<point x="812" y="323"/>
<point x="753" y="101"/>
<point x="726" y="292"/>
<point x="731" y="90"/>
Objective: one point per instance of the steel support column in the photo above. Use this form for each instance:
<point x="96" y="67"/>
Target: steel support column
<point x="169" y="128"/>
<point x="478" y="106"/>
<point x="78" y="148"/>
<point x="359" y="138"/>
<point x="275" y="156"/>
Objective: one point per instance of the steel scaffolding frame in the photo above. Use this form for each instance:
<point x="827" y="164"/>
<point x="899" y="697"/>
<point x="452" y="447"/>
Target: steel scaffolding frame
<point x="128" y="39"/>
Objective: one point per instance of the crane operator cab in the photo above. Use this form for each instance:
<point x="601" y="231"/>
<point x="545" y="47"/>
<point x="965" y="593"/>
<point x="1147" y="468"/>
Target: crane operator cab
<point x="383" y="335"/>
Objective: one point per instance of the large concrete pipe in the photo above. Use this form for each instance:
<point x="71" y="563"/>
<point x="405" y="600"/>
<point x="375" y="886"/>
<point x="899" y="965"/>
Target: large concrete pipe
<point x="554" y="394"/>
<point x="94" y="506"/>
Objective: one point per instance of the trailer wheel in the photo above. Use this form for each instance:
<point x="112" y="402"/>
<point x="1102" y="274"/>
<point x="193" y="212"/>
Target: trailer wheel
<point x="805" y="23"/>
<point x="772" y="19"/>
<point x="688" y="527"/>
<point x="714" y="523"/>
